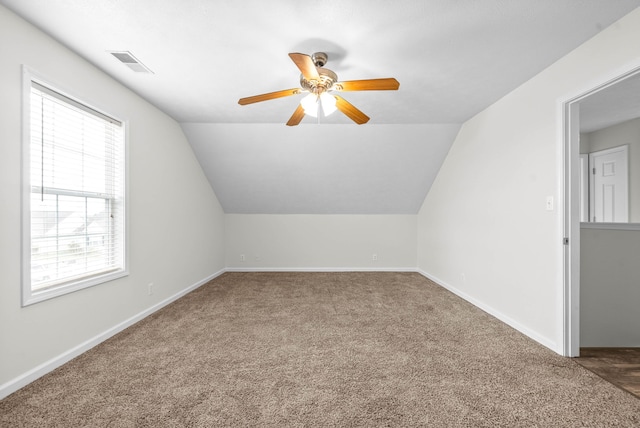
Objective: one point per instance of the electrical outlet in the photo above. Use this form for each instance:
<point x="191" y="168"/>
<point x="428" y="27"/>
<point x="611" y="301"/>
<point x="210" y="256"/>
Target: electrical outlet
<point x="374" y="257"/>
<point x="150" y="288"/>
<point x="242" y="258"/>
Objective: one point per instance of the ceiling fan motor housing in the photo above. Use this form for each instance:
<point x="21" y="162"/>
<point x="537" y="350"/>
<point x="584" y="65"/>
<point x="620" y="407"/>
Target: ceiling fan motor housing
<point x="326" y="78"/>
<point x="324" y="83"/>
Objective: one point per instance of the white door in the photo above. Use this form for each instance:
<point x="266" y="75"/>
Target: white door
<point x="609" y="185"/>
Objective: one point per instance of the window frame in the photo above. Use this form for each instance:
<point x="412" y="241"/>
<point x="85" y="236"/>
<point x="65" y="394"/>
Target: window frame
<point x="29" y="294"/>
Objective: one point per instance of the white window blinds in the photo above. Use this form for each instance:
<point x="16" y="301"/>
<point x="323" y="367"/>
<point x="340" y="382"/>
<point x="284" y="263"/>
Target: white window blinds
<point x="77" y="183"/>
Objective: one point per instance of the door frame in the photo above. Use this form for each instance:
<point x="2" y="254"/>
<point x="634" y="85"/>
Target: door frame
<point x="584" y="187"/>
<point x="570" y="135"/>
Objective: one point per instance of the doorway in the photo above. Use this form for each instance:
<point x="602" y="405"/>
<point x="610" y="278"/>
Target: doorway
<point x="615" y="101"/>
<point x="579" y="117"/>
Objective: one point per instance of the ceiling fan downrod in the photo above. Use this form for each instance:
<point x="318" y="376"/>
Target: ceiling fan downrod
<point x="319" y="59"/>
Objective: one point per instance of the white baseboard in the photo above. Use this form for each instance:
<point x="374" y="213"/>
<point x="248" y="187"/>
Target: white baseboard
<point x="321" y="269"/>
<point x="493" y="312"/>
<point x="48" y="366"/>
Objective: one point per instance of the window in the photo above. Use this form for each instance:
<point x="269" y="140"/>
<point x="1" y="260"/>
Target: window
<point x="74" y="196"/>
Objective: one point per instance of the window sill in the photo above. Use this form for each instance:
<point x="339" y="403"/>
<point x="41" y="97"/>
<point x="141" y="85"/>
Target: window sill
<point x="36" y="296"/>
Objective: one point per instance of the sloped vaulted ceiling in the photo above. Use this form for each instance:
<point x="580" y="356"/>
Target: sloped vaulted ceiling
<point x="452" y="58"/>
<point x="339" y="169"/>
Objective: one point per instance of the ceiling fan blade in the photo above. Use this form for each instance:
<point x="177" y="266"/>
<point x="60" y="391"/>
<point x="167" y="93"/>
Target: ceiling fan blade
<point x="296" y="117"/>
<point x="306" y="65"/>
<point x="351" y="111"/>
<point x="387" y="84"/>
<point x="269" y="96"/>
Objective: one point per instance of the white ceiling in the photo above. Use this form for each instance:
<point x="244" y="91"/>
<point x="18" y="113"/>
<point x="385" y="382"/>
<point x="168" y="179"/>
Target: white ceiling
<point x="617" y="103"/>
<point x="452" y="58"/>
<point x="341" y="169"/>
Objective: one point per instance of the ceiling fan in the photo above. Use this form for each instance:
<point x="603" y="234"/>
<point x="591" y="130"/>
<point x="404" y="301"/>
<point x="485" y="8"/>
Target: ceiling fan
<point x="319" y="82"/>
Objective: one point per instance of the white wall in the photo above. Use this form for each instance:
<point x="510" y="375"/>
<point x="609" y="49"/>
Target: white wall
<point x="320" y="242"/>
<point x="176" y="224"/>
<point x="609" y="288"/>
<point x="485" y="215"/>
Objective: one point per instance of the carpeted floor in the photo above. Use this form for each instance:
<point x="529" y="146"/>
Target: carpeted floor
<point x="320" y="350"/>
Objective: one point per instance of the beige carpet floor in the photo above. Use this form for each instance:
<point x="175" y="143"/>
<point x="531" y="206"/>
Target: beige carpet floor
<point x="320" y="350"/>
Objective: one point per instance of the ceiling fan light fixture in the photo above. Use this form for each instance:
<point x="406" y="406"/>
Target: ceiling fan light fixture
<point x="328" y="103"/>
<point x="310" y="105"/>
<point x="312" y="102"/>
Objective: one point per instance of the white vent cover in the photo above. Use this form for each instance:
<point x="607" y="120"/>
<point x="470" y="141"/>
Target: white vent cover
<point x="131" y="61"/>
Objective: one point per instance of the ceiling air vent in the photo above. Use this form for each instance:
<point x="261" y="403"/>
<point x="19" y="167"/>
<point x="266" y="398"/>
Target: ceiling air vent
<point x="131" y="61"/>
